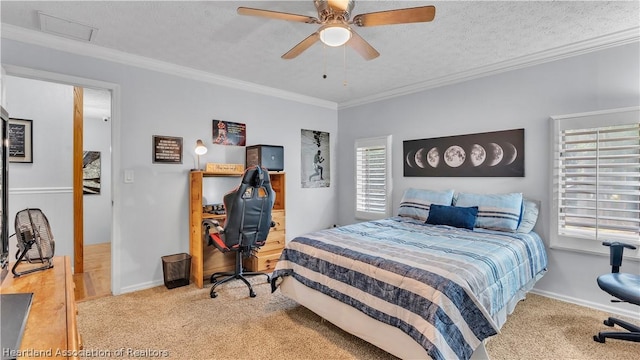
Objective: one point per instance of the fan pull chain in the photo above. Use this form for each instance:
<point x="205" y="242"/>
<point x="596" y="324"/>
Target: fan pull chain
<point x="324" y="61"/>
<point x="344" y="64"/>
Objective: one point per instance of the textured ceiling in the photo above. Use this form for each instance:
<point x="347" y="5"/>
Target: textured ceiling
<point x="466" y="36"/>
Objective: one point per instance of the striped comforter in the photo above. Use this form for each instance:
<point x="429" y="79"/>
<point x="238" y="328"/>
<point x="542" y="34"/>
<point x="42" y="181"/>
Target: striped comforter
<point x="443" y="286"/>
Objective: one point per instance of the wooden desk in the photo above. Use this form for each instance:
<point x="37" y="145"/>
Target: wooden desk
<point x="206" y="260"/>
<point x="51" y="326"/>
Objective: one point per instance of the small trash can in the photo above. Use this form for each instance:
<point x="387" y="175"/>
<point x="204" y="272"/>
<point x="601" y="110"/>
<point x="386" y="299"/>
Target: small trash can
<point x="176" y="269"/>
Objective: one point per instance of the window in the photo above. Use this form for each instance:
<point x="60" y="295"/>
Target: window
<point x="373" y="178"/>
<point x="596" y="189"/>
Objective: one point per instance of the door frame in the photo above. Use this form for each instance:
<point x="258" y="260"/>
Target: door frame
<point x="78" y="198"/>
<point x="115" y="90"/>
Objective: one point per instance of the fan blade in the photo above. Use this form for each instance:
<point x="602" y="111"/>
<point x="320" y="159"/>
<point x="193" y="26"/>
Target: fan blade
<point x="399" y="16"/>
<point x="362" y="47"/>
<point x="302" y="46"/>
<point x="277" y="15"/>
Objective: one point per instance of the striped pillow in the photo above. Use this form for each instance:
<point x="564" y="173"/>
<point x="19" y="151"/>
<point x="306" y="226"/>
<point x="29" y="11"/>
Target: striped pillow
<point x="415" y="203"/>
<point x="495" y="211"/>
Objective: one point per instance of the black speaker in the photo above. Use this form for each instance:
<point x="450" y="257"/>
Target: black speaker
<point x="267" y="156"/>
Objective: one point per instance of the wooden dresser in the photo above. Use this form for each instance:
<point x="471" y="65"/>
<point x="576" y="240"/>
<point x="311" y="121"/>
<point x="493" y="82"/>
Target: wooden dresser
<point x="51" y="330"/>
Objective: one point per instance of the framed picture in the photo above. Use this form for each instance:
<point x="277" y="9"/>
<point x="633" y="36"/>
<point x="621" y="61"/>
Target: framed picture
<point x="229" y="133"/>
<point x="167" y="149"/>
<point x="490" y="154"/>
<point x="20" y="141"/>
<point x="91" y="172"/>
<point x="316" y="170"/>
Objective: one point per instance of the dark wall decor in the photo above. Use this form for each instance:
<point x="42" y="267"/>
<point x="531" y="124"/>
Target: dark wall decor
<point x="167" y="150"/>
<point x="20" y="140"/>
<point x="91" y="172"/>
<point x="229" y="133"/>
<point x="490" y="154"/>
<point x="315" y="159"/>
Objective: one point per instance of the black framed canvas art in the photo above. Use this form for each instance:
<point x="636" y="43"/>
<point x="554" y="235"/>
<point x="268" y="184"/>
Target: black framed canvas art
<point x="490" y="154"/>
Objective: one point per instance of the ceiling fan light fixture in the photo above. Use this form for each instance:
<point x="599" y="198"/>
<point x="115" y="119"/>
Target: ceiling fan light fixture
<point x="335" y="35"/>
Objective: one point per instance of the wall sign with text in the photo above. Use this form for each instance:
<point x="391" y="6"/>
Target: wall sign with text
<point x="20" y="141"/>
<point x="167" y="150"/>
<point x="229" y="133"/>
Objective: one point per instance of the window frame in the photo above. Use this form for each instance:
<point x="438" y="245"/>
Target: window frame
<point x="586" y="120"/>
<point x="386" y="142"/>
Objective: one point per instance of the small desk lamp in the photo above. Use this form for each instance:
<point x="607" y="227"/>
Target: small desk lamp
<point x="200" y="150"/>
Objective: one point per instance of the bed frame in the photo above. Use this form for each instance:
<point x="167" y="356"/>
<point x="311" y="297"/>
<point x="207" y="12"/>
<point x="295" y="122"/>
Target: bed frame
<point x="353" y="321"/>
<point x="386" y="337"/>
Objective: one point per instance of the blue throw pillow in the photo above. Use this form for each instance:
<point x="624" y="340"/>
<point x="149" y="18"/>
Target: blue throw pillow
<point x="461" y="217"/>
<point x="415" y="203"/>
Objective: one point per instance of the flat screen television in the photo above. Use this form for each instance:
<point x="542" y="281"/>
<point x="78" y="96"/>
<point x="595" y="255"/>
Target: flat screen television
<point x="4" y="199"/>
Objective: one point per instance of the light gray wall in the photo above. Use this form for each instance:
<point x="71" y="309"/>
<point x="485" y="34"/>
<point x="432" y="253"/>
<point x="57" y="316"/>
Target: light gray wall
<point x="523" y="98"/>
<point x="97" y="207"/>
<point x="154" y="209"/>
<point x="49" y="105"/>
<point x="47" y="182"/>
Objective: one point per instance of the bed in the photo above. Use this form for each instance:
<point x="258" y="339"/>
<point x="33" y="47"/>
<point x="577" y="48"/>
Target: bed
<point x="413" y="287"/>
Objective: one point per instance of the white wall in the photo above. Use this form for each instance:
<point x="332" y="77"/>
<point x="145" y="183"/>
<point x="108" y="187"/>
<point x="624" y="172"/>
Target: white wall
<point x="97" y="207"/>
<point x="47" y="183"/>
<point x="518" y="99"/>
<point x="154" y="209"/>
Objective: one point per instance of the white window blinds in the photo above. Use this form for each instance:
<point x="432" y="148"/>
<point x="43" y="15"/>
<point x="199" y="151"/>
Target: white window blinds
<point x="597" y="178"/>
<point x="600" y="182"/>
<point x="373" y="178"/>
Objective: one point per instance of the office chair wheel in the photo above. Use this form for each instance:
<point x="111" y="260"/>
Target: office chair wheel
<point x="598" y="338"/>
<point x="213" y="294"/>
<point x="608" y="322"/>
<point x="252" y="293"/>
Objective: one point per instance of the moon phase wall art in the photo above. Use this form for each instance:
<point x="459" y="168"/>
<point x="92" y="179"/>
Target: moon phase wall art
<point x="490" y="154"/>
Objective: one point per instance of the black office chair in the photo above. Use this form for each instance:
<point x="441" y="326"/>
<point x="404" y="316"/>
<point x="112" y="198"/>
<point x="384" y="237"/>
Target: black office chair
<point x="248" y="220"/>
<point x="625" y="287"/>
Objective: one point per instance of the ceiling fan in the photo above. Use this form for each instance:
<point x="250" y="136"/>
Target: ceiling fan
<point x="336" y="27"/>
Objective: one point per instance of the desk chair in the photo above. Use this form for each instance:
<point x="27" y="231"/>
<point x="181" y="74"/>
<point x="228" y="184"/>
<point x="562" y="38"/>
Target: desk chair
<point x="248" y="220"/>
<point x="625" y="287"/>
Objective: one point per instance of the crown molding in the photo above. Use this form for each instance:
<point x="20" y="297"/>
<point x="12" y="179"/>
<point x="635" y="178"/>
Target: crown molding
<point x="85" y="49"/>
<point x="578" y="48"/>
<point x="33" y="37"/>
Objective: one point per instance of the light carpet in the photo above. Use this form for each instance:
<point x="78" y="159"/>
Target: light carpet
<point x="185" y="323"/>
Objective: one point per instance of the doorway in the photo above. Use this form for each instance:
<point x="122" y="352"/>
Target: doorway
<point x="92" y="192"/>
<point x="95" y="234"/>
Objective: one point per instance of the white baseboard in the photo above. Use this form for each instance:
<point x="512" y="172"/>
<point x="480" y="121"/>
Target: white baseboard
<point x="610" y="309"/>
<point x="141" y="286"/>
